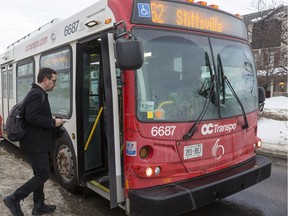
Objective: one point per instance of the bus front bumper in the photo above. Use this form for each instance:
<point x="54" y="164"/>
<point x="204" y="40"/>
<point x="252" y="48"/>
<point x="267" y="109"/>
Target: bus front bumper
<point x="180" y="197"/>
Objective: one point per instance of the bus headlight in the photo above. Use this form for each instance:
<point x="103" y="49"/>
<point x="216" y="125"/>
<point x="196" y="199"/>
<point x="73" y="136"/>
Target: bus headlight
<point x="157" y="170"/>
<point x="259" y="144"/>
<point x="149" y="171"/>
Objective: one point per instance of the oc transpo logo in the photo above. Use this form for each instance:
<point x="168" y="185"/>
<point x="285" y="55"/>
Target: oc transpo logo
<point x="218" y="150"/>
<point x="216" y="128"/>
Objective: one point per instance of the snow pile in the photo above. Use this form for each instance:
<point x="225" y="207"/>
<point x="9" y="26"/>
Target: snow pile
<point x="273" y="127"/>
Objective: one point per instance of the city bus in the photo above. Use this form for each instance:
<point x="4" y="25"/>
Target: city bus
<point x="160" y="97"/>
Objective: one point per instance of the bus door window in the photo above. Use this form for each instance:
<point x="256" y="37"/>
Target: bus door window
<point x="91" y="104"/>
<point x="7" y="88"/>
<point x="92" y="101"/>
<point x="94" y="82"/>
<point x="24" y="77"/>
<point x="4" y="91"/>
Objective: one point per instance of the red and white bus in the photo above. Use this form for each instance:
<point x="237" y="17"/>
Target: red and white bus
<point x="160" y="97"/>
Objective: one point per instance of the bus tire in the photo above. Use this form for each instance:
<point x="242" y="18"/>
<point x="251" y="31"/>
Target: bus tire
<point x="64" y="162"/>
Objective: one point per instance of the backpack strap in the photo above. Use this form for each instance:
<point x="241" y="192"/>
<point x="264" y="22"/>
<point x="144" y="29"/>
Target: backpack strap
<point x="32" y="89"/>
<point x="24" y="100"/>
<point x="43" y="98"/>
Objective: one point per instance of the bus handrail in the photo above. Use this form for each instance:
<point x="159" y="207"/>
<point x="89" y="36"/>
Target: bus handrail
<point x="93" y="129"/>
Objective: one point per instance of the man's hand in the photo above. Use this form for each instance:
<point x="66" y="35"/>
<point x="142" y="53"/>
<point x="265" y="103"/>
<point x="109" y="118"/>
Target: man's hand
<point x="59" y="122"/>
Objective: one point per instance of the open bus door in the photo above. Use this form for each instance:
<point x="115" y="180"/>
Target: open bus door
<point x="98" y="115"/>
<point x="98" y="118"/>
<point x="6" y="90"/>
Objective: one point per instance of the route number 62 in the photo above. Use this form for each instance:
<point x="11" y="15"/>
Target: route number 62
<point x="163" y="131"/>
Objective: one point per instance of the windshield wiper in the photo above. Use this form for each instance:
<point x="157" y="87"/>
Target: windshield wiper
<point x="204" y="90"/>
<point x="226" y="80"/>
<point x="208" y="99"/>
<point x="221" y="75"/>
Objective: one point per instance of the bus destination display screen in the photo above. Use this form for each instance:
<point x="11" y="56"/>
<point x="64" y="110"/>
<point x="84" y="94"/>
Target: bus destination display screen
<point x="188" y="16"/>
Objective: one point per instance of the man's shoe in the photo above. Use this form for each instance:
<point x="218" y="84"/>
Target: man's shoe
<point x="41" y="208"/>
<point x="14" y="205"/>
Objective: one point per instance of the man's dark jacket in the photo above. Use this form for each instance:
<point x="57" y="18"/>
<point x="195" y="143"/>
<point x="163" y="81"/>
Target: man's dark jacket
<point x="40" y="126"/>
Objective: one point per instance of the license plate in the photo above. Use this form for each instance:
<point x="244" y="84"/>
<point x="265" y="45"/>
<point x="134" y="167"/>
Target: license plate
<point x="193" y="151"/>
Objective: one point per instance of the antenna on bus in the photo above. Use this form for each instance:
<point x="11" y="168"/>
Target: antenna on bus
<point x="41" y="28"/>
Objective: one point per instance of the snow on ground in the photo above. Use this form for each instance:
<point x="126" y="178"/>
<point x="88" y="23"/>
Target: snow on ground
<point x="273" y="127"/>
<point x="13" y="173"/>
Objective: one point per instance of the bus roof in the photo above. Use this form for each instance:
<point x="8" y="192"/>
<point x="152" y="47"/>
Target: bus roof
<point x="59" y="32"/>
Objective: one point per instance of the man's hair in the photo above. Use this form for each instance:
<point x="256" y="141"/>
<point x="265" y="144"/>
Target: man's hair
<point x="45" y="72"/>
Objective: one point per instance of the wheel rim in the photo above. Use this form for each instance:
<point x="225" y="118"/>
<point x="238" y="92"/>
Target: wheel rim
<point x="65" y="164"/>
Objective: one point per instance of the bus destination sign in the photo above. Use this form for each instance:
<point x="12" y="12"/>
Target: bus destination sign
<point x="164" y="13"/>
<point x="188" y="16"/>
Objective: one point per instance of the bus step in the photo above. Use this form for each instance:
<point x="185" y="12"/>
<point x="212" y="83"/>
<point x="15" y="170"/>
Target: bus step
<point x="100" y="186"/>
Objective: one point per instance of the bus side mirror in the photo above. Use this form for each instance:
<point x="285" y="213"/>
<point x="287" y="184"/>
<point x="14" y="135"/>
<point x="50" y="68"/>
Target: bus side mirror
<point x="261" y="95"/>
<point x="261" y="98"/>
<point x="129" y="54"/>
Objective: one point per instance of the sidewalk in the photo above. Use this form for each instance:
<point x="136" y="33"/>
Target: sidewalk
<point x="274" y="150"/>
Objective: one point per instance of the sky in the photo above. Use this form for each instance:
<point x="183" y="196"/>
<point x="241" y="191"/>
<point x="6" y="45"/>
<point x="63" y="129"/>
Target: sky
<point x="21" y="17"/>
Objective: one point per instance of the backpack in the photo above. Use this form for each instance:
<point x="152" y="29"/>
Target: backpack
<point x="15" y="124"/>
<point x="15" y="127"/>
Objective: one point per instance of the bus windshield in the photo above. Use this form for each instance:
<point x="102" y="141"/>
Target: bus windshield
<point x="175" y="79"/>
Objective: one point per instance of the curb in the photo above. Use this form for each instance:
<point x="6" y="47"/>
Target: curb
<point x="276" y="155"/>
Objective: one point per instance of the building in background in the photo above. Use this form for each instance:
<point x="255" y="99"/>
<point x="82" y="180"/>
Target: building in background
<point x="268" y="36"/>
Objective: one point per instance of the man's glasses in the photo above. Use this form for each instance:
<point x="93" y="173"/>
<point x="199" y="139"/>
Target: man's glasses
<point x="54" y="81"/>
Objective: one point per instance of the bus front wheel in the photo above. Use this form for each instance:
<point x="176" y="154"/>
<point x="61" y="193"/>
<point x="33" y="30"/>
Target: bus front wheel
<point x="64" y="162"/>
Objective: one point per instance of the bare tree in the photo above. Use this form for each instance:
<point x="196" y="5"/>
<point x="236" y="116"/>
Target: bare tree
<point x="268" y="28"/>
